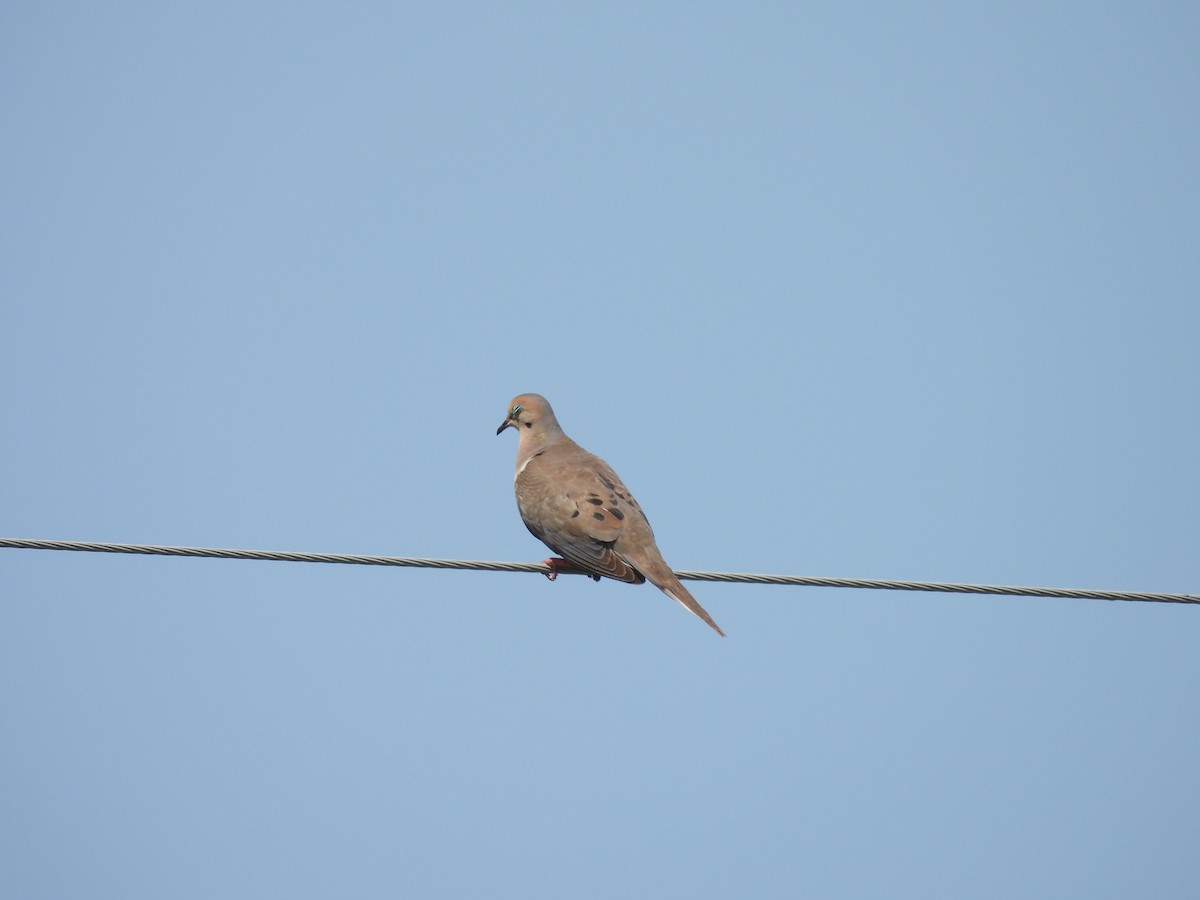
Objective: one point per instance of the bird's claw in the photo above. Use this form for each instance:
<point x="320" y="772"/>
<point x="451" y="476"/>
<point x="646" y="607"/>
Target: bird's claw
<point x="558" y="565"/>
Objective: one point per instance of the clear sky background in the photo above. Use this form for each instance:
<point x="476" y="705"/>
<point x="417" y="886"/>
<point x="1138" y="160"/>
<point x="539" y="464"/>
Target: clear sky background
<point x="879" y="290"/>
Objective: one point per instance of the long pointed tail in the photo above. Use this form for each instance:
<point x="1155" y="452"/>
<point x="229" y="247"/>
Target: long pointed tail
<point x="674" y="589"/>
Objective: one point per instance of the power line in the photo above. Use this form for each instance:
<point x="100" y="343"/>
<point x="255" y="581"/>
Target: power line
<point x="477" y="564"/>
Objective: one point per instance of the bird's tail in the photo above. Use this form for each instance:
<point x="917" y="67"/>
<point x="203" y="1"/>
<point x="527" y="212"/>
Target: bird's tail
<point x="673" y="588"/>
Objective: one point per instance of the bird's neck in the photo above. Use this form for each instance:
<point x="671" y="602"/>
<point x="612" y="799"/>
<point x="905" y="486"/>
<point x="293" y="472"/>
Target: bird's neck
<point x="534" y="442"/>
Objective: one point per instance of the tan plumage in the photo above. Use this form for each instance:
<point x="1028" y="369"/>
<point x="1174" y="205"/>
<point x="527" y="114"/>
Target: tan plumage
<point x="574" y="503"/>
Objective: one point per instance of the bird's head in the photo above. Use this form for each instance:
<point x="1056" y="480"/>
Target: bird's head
<point x="528" y="412"/>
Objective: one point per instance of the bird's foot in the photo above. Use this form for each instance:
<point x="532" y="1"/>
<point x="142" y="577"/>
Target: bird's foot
<point x="559" y="566"/>
<point x="556" y="564"/>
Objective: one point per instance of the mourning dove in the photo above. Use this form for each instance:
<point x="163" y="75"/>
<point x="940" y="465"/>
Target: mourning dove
<point x="575" y="504"/>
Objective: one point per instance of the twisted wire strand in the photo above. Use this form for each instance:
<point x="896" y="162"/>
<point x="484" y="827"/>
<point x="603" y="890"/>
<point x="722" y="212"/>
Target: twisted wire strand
<point x="484" y="565"/>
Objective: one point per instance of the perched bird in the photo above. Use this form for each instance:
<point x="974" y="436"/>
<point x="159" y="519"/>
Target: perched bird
<point x="575" y="504"/>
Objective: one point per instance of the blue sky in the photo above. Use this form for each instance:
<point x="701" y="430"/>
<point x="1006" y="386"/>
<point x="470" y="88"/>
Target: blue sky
<point x="901" y="290"/>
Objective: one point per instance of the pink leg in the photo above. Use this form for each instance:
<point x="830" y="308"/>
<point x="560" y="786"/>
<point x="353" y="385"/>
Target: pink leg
<point x="559" y="566"/>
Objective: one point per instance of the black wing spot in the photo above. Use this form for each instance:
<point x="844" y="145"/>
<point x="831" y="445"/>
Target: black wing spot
<point x="604" y="481"/>
<point x="616" y="512"/>
<point x="575" y="514"/>
<point x="595" y="500"/>
<point x="599" y="516"/>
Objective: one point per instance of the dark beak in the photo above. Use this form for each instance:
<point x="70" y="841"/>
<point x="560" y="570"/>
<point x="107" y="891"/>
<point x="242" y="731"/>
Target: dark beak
<point x="507" y="423"/>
